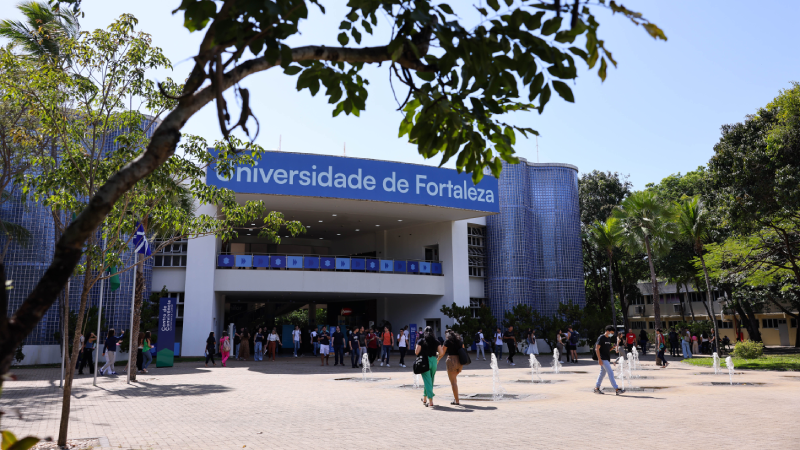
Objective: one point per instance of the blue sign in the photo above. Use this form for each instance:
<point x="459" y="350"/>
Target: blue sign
<point x="277" y="262"/>
<point x="307" y="175"/>
<point x="412" y="335"/>
<point x="294" y="262"/>
<point x="244" y="260"/>
<point x="399" y="266"/>
<point x="225" y="261"/>
<point x="436" y="268"/>
<point x="387" y="265"/>
<point x="358" y="264"/>
<point x="413" y="267"/>
<point x="327" y="263"/>
<point x="260" y="261"/>
<point x="372" y="265"/>
<point x="343" y="263"/>
<point x="166" y="332"/>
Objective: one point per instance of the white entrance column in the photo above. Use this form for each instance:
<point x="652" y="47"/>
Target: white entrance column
<point x="455" y="264"/>
<point x="200" y="308"/>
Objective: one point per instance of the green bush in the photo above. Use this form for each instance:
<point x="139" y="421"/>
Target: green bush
<point x="748" y="349"/>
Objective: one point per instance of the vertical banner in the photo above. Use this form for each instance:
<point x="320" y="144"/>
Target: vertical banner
<point x="166" y="333"/>
<point x="412" y="335"/>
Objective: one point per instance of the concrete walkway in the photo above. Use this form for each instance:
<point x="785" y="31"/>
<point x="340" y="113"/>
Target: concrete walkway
<point x="295" y="403"/>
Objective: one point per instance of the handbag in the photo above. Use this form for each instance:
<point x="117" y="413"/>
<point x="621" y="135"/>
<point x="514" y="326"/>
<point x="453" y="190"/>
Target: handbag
<point x="463" y="357"/>
<point x="421" y="365"/>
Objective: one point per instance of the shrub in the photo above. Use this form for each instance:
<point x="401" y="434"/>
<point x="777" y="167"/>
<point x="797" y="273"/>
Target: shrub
<point x="748" y="350"/>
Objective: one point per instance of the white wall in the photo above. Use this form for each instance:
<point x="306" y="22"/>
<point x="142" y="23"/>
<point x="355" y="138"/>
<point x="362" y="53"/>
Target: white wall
<point x="41" y="354"/>
<point x="200" y="302"/>
<point x="174" y="278"/>
<point x="227" y="280"/>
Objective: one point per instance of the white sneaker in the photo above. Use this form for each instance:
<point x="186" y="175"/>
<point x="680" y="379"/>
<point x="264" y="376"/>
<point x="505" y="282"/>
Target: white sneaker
<point x="381" y="363"/>
<point x="387" y="365"/>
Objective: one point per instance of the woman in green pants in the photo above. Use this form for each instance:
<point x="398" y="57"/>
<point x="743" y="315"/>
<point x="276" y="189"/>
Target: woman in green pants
<point x="429" y="347"/>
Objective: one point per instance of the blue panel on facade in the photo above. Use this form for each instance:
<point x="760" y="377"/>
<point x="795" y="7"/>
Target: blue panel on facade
<point x="294" y="262"/>
<point x="311" y="262"/>
<point x="327" y="263"/>
<point x="413" y="266"/>
<point x="225" y="260"/>
<point x="342" y="263"/>
<point x="436" y="268"/>
<point x="357" y="263"/>
<point x="534" y="245"/>
<point x="387" y="265"/>
<point x="244" y="260"/>
<point x="277" y="261"/>
<point x="308" y="175"/>
<point x="399" y="266"/>
<point x="260" y="261"/>
<point x="424" y="267"/>
<point x="373" y="265"/>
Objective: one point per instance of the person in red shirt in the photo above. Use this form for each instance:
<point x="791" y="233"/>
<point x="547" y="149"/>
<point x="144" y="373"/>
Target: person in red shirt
<point x="630" y="339"/>
<point x="372" y="346"/>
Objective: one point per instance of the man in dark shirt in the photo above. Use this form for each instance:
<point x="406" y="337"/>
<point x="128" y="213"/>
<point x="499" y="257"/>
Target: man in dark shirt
<point x="338" y="347"/>
<point x="324" y="347"/>
<point x="353" y="346"/>
<point x="603" y="347"/>
<point x="673" y="343"/>
<point x="511" y="342"/>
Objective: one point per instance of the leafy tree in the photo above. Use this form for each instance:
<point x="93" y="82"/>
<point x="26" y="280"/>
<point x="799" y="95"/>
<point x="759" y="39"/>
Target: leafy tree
<point x="606" y="237"/>
<point x="40" y="34"/>
<point x="465" y="325"/>
<point x="469" y="80"/>
<point x="647" y="227"/>
<point x="693" y="227"/>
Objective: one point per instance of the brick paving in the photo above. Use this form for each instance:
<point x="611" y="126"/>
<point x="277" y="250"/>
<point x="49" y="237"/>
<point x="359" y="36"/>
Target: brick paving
<point x="295" y="403"/>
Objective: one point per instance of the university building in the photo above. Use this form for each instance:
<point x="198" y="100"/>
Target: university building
<point x="384" y="242"/>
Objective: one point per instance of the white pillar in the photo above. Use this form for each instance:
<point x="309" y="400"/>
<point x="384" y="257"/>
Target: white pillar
<point x="199" y="308"/>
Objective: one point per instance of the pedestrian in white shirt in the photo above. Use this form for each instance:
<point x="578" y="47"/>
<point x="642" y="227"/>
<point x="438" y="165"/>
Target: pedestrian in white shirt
<point x="480" y="343"/>
<point x="402" y="344"/>
<point x="296" y="339"/>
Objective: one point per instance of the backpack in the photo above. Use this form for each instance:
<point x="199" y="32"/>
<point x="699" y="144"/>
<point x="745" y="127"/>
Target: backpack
<point x="226" y="345"/>
<point x="573" y="338"/>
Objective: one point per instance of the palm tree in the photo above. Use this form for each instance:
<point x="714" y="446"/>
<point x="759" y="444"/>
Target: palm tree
<point x="647" y="227"/>
<point x="693" y="227"/>
<point x="607" y="236"/>
<point x="40" y="32"/>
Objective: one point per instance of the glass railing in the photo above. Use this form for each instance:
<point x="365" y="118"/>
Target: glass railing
<point x="264" y="261"/>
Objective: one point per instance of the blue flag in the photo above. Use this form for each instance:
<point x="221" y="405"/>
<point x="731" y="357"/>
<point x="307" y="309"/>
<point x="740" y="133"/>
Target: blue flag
<point x="140" y="243"/>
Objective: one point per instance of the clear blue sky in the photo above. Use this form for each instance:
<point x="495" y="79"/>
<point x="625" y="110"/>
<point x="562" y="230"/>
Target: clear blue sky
<point x="658" y="113"/>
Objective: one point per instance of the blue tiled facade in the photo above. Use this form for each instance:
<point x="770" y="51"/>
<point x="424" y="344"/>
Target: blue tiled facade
<point x="25" y="265"/>
<point x="534" y="245"/>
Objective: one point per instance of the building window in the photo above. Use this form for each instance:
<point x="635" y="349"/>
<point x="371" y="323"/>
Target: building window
<point x="651" y="325"/>
<point x="172" y="255"/>
<point x="476" y="250"/>
<point x="178" y="296"/>
<point x="724" y="325"/>
<point x="772" y="323"/>
<point x="794" y="323"/>
<point x="672" y="323"/>
<point x="475" y="305"/>
<point x="638" y="325"/>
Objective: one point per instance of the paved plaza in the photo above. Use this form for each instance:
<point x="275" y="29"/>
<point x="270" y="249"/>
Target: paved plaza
<point x="295" y="403"/>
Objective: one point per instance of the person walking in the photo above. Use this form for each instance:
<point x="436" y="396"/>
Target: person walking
<point x="530" y="338"/>
<point x="661" y="345"/>
<point x="695" y="346"/>
<point x="428" y="347"/>
<point x="244" y="345"/>
<point x="452" y="345"/>
<point x="146" y="346"/>
<point x="498" y="344"/>
<point x="237" y="341"/>
<point x="352" y="345"/>
<point x="511" y="342"/>
<point x="630" y="341"/>
<point x="211" y="349"/>
<point x="573" y="337"/>
<point x="402" y="346"/>
<point x="296" y="340"/>
<point x="388" y="343"/>
<point x="603" y="347"/>
<point x="620" y="348"/>
<point x="225" y="347"/>
<point x="88" y="349"/>
<point x="273" y="340"/>
<point x="110" y="352"/>
<point x="480" y="343"/>
<point x="315" y="341"/>
<point x="139" y="356"/>
<point x="643" y="341"/>
<point x="673" y="343"/>
<point x="362" y="345"/>
<point x="686" y="343"/>
<point x="372" y="346"/>
<point x="258" y="346"/>
<point x="324" y="347"/>
<point x="560" y="346"/>
<point x="338" y="346"/>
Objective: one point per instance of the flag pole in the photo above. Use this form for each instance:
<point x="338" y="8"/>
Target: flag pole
<point x="133" y="301"/>
<point x="99" y="315"/>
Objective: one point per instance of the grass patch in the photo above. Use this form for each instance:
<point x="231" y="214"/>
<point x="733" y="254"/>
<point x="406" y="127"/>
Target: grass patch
<point x="766" y="362"/>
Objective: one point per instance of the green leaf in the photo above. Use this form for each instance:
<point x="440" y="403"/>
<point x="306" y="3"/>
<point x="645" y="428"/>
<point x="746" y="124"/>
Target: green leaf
<point x="544" y="97"/>
<point x="563" y="90"/>
<point x="494" y="4"/>
<point x="551" y="26"/>
<point x="292" y="70"/>
<point x="602" y="71"/>
<point x="446" y="8"/>
<point x="23" y="444"/>
<point x="427" y="76"/>
<point x="345" y="25"/>
<point x="343" y="39"/>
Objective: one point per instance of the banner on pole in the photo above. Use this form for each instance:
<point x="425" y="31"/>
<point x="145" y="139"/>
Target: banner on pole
<point x="412" y="335"/>
<point x="166" y="332"/>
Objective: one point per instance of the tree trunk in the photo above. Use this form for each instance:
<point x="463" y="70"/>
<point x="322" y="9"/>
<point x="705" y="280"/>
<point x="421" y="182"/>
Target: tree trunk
<point x="752" y="329"/>
<point x="683" y="302"/>
<point x="76" y="349"/>
<point x="656" y="297"/>
<point x="137" y="317"/>
<point x="611" y="289"/>
<point x="691" y="308"/>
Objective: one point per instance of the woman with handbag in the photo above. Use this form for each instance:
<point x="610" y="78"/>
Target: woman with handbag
<point x="426" y="350"/>
<point x="453" y="346"/>
<point x="225" y="347"/>
<point x="661" y="345"/>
